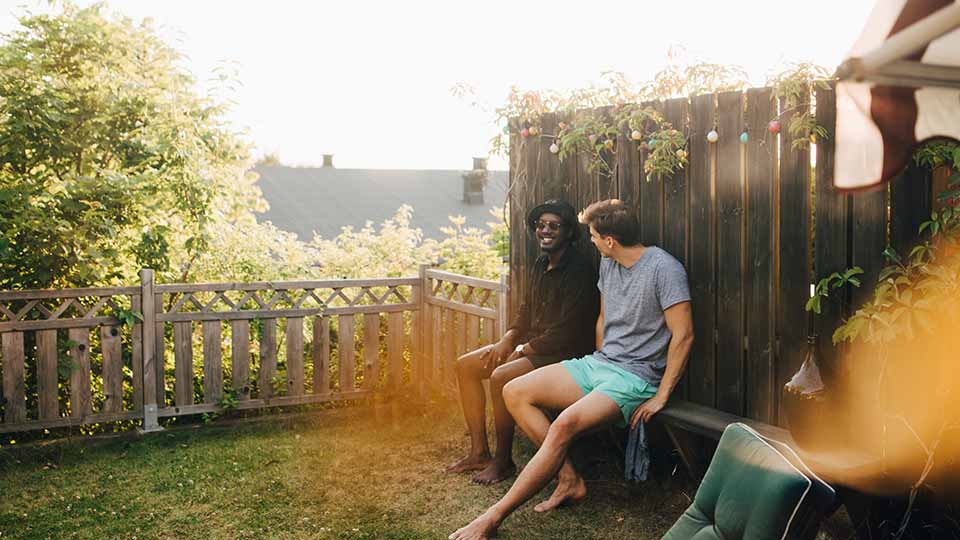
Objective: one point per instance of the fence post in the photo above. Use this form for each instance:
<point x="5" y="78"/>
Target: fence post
<point x="420" y="328"/>
<point x="502" y="303"/>
<point x="149" y="336"/>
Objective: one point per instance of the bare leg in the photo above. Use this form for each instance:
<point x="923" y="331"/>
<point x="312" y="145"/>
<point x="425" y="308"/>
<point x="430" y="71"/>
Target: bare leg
<point x="502" y="466"/>
<point x="470" y="374"/>
<point x="553" y="387"/>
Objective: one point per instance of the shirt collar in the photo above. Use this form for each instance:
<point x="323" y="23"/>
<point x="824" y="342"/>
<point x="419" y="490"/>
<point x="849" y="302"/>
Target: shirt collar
<point x="568" y="256"/>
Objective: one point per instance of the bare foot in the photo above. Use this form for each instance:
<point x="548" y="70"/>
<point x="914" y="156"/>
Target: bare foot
<point x="495" y="472"/>
<point x="482" y="528"/>
<point x="469" y="463"/>
<point x="567" y="493"/>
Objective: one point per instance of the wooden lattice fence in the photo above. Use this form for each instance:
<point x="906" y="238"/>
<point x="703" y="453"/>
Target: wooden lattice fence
<point x="67" y="360"/>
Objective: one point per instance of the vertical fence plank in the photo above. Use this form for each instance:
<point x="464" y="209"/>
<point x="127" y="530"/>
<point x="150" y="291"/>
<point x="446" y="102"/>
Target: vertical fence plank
<point x="606" y="179"/>
<point x="730" y="252"/>
<point x="675" y="196"/>
<point x="869" y="239"/>
<point x="447" y="346"/>
<point x="460" y="335"/>
<point x="268" y="357"/>
<point x="795" y="262"/>
<point x="240" y="358"/>
<point x="651" y="210"/>
<point x="47" y="398"/>
<point x="587" y="194"/>
<point x="436" y="341"/>
<point x="911" y="200"/>
<point x="761" y="158"/>
<point x="80" y="402"/>
<point x="701" y="373"/>
<point x="395" y="349"/>
<point x="419" y="329"/>
<point x="831" y="248"/>
<point x="347" y="360"/>
<point x="212" y="362"/>
<point x="321" y="355"/>
<point x="428" y="369"/>
<point x="551" y="171"/>
<point x="295" y="374"/>
<point x="183" y="363"/>
<point x="112" y="370"/>
<point x="136" y="354"/>
<point x="13" y="378"/>
<point x="627" y="167"/>
<point x="489" y="331"/>
<point x="159" y="372"/>
<point x="473" y="332"/>
<point x="371" y="350"/>
<point x="152" y="392"/>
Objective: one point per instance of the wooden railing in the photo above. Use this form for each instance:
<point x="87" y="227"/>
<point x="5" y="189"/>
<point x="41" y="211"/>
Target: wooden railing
<point x="289" y="343"/>
<point x="461" y="314"/>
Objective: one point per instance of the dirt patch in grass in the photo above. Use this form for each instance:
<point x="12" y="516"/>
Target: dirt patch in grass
<point x="341" y="474"/>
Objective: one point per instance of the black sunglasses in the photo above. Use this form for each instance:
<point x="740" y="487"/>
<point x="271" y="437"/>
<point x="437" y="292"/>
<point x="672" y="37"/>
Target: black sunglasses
<point x="552" y="225"/>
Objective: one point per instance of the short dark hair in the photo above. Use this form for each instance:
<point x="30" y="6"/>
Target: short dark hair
<point x="613" y="217"/>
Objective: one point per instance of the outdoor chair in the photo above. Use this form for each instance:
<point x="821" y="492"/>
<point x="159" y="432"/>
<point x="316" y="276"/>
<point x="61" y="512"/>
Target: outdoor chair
<point x="755" y="488"/>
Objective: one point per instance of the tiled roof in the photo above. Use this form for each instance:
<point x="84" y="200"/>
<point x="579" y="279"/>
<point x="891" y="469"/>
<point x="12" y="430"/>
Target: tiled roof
<point x="304" y="200"/>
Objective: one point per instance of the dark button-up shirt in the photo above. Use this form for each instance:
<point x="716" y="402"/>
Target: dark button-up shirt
<point x="558" y="315"/>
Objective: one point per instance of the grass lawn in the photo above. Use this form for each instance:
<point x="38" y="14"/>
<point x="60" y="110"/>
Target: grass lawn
<point x="333" y="474"/>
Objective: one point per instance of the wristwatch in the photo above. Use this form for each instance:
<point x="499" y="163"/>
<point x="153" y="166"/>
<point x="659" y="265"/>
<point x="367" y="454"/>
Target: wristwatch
<point x="519" y="348"/>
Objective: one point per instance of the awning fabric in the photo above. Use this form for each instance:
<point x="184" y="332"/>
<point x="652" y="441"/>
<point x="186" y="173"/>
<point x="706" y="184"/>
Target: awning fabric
<point x="880" y="125"/>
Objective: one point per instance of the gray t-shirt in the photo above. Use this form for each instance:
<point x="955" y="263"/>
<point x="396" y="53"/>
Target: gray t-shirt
<point x="635" y="333"/>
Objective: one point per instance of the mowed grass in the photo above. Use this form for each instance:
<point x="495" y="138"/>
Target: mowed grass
<point x="341" y="474"/>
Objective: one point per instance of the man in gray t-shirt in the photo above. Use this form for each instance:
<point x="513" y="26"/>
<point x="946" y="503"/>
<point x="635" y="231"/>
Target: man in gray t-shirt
<point x="644" y="334"/>
<point x="635" y="333"/>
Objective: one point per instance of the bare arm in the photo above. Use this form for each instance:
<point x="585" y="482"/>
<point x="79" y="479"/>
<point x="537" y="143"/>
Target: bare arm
<point x="600" y="325"/>
<point x="679" y="320"/>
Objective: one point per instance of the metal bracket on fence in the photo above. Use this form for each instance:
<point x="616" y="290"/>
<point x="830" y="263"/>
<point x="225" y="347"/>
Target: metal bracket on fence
<point x="150" y="423"/>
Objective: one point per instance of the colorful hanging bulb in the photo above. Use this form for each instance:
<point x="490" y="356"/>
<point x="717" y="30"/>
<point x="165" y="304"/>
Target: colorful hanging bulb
<point x="713" y="135"/>
<point x="554" y="148"/>
<point x="636" y="135"/>
<point x="774" y="126"/>
<point x="744" y="137"/>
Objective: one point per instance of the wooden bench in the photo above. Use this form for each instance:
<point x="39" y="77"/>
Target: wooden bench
<point x="682" y="419"/>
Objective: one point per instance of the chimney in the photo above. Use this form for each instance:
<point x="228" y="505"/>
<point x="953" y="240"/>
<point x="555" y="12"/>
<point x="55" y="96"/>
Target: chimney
<point x="474" y="181"/>
<point x="328" y="160"/>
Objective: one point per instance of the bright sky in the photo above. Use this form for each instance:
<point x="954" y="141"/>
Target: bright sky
<point x="370" y="81"/>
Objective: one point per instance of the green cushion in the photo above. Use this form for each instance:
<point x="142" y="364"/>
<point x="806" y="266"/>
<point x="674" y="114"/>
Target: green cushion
<point x="755" y="488"/>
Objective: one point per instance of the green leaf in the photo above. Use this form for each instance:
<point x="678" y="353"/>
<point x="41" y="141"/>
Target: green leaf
<point x="892" y="255"/>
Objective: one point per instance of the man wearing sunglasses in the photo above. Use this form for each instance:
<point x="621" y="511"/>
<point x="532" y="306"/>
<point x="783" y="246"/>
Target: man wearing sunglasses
<point x="556" y="320"/>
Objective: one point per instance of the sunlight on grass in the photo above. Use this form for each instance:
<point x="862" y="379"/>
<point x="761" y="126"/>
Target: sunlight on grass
<point x="339" y="474"/>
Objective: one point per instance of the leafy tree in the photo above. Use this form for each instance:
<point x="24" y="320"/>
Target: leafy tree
<point x="109" y="160"/>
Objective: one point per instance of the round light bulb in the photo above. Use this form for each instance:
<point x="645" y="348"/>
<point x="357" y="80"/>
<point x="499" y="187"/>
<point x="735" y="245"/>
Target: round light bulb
<point x="713" y="135"/>
<point x="636" y="135"/>
<point x="744" y="137"/>
<point x="554" y="148"/>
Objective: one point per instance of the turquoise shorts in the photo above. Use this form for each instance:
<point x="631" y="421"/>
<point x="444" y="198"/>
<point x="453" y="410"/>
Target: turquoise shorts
<point x="627" y="390"/>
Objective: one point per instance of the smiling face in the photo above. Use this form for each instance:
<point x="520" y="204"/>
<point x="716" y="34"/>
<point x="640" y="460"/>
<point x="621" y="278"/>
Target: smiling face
<point x="604" y="244"/>
<point x="552" y="235"/>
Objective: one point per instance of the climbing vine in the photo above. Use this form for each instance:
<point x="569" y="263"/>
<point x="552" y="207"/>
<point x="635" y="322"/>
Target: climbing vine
<point x="792" y="87"/>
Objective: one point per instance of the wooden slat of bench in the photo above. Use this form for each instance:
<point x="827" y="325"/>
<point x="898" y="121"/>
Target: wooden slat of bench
<point x="855" y="469"/>
<point x="711" y="422"/>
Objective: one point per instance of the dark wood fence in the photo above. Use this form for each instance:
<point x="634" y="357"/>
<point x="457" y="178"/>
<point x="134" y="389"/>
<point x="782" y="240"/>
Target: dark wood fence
<point x="754" y="224"/>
